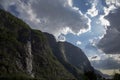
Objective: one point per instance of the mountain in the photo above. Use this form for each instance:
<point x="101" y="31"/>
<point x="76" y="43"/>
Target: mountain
<point x="25" y="53"/>
<point x="72" y="57"/>
<point x="28" y="54"/>
<point x="75" y="56"/>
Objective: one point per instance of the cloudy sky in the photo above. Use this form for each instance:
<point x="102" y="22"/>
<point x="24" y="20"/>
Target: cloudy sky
<point x="92" y="25"/>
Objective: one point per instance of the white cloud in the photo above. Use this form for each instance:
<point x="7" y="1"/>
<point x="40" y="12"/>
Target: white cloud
<point x="104" y="21"/>
<point x="70" y="3"/>
<point x="100" y="37"/>
<point x="52" y="16"/>
<point x="113" y="2"/>
<point x="115" y="57"/>
<point x="111" y="61"/>
<point x="110" y="72"/>
<point x="112" y="5"/>
<point x="93" y="11"/>
<point x="61" y="38"/>
<point x="110" y="42"/>
<point x="94" y="41"/>
<point x="106" y="11"/>
<point x="78" y="43"/>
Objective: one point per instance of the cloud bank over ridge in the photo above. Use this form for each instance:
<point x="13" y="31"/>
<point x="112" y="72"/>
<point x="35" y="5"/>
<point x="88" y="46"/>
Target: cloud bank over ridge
<point x="53" y="16"/>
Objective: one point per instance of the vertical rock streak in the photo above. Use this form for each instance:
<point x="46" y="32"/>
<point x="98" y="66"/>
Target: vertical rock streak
<point x="29" y="57"/>
<point x="63" y="52"/>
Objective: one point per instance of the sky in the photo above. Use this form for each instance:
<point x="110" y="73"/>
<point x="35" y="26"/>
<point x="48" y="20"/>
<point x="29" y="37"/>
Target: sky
<point x="92" y="25"/>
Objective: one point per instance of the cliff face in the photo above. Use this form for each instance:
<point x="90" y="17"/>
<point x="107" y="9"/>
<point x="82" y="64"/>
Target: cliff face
<point x="69" y="53"/>
<point x="25" y="52"/>
<point x="30" y="54"/>
<point x="72" y="57"/>
<point x="75" y="56"/>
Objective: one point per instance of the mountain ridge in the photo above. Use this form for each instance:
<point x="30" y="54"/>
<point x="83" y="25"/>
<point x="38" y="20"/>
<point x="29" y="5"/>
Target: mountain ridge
<point x="25" y="51"/>
<point x="32" y="54"/>
<point x="63" y="50"/>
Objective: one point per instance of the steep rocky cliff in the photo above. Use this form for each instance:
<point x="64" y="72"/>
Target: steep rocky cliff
<point x="57" y="52"/>
<point x="75" y="56"/>
<point x="72" y="57"/>
<point x="28" y="54"/>
<point x="25" y="53"/>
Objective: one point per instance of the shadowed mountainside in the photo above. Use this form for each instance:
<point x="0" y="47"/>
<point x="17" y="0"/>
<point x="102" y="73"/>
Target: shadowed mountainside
<point x="28" y="54"/>
<point x="72" y="57"/>
<point x="25" y="52"/>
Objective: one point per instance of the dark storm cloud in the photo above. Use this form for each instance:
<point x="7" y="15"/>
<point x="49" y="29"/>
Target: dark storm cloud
<point x="110" y="44"/>
<point x="53" y="16"/>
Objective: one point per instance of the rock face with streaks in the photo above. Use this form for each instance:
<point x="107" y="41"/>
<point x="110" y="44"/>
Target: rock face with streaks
<point x="29" y="58"/>
<point x="25" y="52"/>
<point x="72" y="57"/>
<point x="33" y="55"/>
<point x="75" y="56"/>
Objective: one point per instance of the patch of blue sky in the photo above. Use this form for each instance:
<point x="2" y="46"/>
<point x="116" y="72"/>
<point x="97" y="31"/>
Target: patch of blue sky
<point x="101" y="4"/>
<point x="83" y="5"/>
<point x="97" y="30"/>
